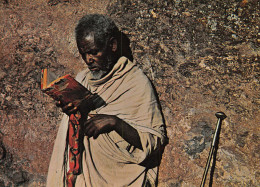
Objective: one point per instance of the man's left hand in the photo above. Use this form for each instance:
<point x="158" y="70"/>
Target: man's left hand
<point x="100" y="123"/>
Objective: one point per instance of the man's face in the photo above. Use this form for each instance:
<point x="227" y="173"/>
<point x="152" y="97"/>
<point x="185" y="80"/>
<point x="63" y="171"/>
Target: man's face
<point x="98" y="59"/>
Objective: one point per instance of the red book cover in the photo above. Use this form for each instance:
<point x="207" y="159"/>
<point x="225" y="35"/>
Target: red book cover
<point x="65" y="89"/>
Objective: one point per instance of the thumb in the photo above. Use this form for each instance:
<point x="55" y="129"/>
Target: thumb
<point x="92" y="115"/>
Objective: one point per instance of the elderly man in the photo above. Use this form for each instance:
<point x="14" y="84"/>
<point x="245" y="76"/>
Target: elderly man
<point x="124" y="137"/>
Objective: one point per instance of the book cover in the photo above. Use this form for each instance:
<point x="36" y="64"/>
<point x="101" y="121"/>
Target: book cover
<point x="65" y="89"/>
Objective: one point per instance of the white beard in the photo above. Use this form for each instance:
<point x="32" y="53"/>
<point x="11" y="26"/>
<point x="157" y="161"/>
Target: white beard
<point x="96" y="75"/>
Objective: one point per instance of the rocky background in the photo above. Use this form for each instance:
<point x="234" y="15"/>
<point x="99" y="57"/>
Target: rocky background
<point x="202" y="56"/>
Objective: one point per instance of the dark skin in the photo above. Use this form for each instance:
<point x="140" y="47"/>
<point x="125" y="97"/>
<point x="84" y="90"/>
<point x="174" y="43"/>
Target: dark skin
<point x="98" y="124"/>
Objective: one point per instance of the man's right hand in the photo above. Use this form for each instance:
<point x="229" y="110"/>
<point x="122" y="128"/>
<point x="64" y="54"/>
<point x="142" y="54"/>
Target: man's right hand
<point x="70" y="108"/>
<point x="67" y="108"/>
<point x="86" y="105"/>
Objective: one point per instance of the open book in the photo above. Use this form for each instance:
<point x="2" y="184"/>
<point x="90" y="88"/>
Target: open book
<point x="64" y="89"/>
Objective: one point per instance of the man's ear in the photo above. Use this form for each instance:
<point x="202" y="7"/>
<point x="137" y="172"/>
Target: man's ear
<point x="113" y="44"/>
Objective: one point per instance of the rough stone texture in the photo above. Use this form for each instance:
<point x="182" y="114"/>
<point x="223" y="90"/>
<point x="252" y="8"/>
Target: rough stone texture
<point x="202" y="56"/>
<point x="34" y="35"/>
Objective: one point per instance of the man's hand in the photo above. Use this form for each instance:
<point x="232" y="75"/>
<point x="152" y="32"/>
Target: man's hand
<point x="68" y="108"/>
<point x="85" y="106"/>
<point x="100" y="123"/>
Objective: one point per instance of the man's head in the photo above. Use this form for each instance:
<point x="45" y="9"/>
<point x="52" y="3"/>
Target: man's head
<point x="96" y="37"/>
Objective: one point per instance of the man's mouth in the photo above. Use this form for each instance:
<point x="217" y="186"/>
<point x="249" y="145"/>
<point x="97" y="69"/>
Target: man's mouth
<point x="93" y="68"/>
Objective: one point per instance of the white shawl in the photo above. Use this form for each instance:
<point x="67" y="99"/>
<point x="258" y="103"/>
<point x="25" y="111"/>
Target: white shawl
<point x="109" y="160"/>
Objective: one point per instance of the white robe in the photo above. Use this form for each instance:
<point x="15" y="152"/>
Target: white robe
<point x="109" y="160"/>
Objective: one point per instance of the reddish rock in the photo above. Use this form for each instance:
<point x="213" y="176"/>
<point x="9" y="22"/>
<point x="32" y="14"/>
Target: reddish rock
<point x="201" y="57"/>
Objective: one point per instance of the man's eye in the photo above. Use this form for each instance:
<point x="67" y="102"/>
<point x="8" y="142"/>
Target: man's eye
<point x="94" y="52"/>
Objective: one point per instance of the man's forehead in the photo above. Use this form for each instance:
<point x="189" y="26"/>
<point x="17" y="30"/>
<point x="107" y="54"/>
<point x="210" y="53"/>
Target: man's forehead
<point x="90" y="38"/>
<point x="87" y="43"/>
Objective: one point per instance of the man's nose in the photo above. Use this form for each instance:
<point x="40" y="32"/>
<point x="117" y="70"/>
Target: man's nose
<point x="89" y="58"/>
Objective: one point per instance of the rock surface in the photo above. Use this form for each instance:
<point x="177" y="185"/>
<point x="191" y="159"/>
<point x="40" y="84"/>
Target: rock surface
<point x="202" y="57"/>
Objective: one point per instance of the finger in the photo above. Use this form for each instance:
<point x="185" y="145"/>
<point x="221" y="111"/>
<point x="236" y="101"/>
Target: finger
<point x="88" y="126"/>
<point x="90" y="131"/>
<point x="92" y="115"/>
<point x="67" y="107"/>
<point x="96" y="117"/>
<point x="73" y="110"/>
<point x="98" y="131"/>
<point x="59" y="104"/>
<point x="96" y="134"/>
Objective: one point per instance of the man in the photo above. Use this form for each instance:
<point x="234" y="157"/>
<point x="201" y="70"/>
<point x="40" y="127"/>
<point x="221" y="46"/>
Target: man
<point x="124" y="137"/>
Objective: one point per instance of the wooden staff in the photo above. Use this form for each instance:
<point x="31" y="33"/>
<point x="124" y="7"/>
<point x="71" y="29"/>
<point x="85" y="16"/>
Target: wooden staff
<point x="220" y="116"/>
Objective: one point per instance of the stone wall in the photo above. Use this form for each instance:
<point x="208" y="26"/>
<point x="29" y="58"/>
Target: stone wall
<point x="202" y="56"/>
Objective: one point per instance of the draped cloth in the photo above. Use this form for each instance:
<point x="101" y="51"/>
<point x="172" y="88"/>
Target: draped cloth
<point x="109" y="160"/>
<point x="74" y="148"/>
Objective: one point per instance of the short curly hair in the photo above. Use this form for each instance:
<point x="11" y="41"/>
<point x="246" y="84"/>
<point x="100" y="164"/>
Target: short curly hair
<point x="101" y="26"/>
